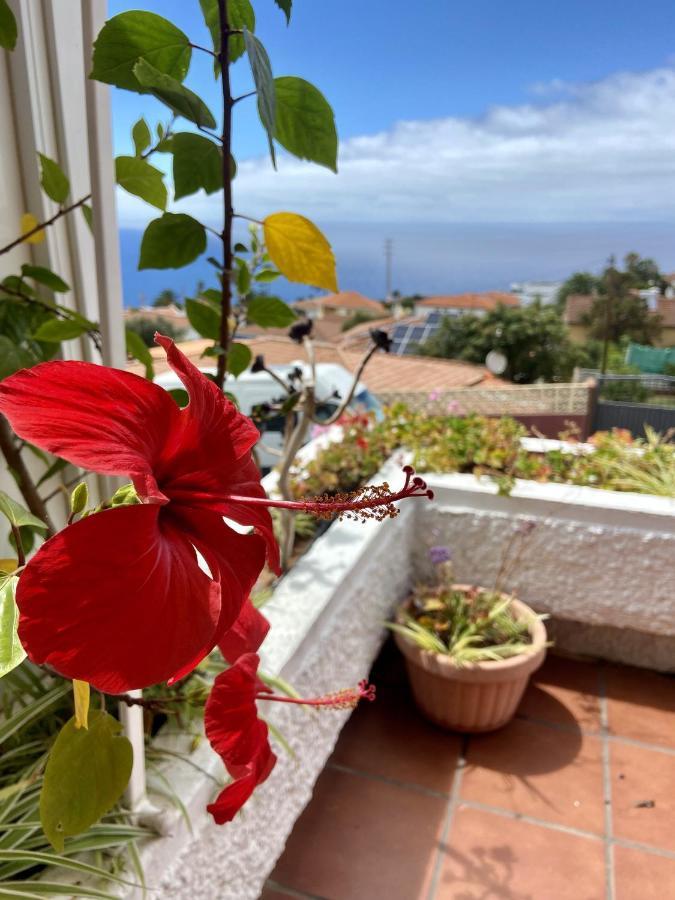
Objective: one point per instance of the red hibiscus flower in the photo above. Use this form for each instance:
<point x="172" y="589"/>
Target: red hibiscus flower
<point x="241" y="739"/>
<point x="118" y="599"/>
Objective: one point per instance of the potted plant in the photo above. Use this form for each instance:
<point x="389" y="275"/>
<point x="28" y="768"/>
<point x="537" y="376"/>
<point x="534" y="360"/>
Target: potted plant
<point x="470" y="651"/>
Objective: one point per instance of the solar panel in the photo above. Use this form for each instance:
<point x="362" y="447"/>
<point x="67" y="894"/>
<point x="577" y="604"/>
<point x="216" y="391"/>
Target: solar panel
<point x="407" y="336"/>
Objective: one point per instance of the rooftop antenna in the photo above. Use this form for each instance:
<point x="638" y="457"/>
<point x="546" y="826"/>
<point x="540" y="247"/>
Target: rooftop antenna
<point x="388" y="254"/>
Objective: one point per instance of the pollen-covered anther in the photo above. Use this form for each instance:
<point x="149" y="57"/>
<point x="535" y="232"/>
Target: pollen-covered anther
<point x="347" y="698"/>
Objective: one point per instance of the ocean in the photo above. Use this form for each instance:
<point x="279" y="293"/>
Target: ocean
<point x="433" y="259"/>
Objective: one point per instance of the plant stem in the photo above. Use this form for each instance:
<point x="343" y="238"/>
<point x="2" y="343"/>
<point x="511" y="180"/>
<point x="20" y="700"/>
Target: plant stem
<point x="59" y="313"/>
<point x="27" y="486"/>
<point x="63" y="211"/>
<point x="228" y="212"/>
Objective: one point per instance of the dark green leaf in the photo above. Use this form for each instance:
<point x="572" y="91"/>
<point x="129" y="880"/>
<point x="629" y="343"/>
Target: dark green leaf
<point x="305" y="124"/>
<point x="17" y="515"/>
<point x="214" y="297"/>
<point x="290" y="403"/>
<point x="285" y="6"/>
<point x="267" y="275"/>
<point x="57" y="466"/>
<point x="11" y="651"/>
<point x="269" y="312"/>
<point x="204" y="318"/>
<point x="45" y="276"/>
<point x="87" y="772"/>
<point x="127" y="37"/>
<point x="240" y="15"/>
<point x="216" y="263"/>
<point x="181" y="397"/>
<point x="138" y="177"/>
<point x="88" y="216"/>
<point x="170" y="91"/>
<point x="197" y="164"/>
<point x="137" y="349"/>
<point x="141" y="136"/>
<point x="243" y="278"/>
<point x="264" y="84"/>
<point x="8" y="31"/>
<point x="233" y="168"/>
<point x="54" y="183"/>
<point x="172" y="241"/>
<point x="238" y="358"/>
<point x="60" y="330"/>
<point x="240" y="248"/>
<point x="14" y="357"/>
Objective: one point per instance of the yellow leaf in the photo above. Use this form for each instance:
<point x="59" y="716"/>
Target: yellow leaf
<point x="28" y="223"/>
<point x="7" y="566"/>
<point x="81" y="694"/>
<point x="299" y="250"/>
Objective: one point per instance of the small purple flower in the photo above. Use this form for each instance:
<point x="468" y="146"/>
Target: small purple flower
<point x="439" y="555"/>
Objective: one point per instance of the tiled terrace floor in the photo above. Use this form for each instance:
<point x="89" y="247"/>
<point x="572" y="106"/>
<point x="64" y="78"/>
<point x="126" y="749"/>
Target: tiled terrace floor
<point x="575" y="800"/>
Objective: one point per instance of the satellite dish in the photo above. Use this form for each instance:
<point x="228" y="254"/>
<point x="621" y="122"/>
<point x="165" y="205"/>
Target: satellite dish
<point x="496" y="362"/>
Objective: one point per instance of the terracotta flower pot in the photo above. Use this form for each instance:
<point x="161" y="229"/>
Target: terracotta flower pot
<point x="476" y="697"/>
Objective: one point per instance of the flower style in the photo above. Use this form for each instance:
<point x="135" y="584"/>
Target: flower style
<point x="118" y="599"/>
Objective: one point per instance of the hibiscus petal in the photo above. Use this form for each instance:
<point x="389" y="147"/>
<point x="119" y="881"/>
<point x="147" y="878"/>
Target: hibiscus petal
<point x="235" y="560"/>
<point x="246" y="635"/>
<point x="98" y="418"/>
<point x="118" y="600"/>
<point x="231" y="799"/>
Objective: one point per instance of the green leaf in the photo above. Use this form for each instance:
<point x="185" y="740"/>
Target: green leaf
<point x="214" y="297"/>
<point x="11" y="651"/>
<point x="197" y="164"/>
<point x="17" y="515"/>
<point x="88" y="216"/>
<point x="204" y="318"/>
<point x="138" y="177"/>
<point x="141" y="136"/>
<point x="238" y="358"/>
<point x="172" y="241"/>
<point x="264" y="84"/>
<point x="267" y="275"/>
<point x="243" y="278"/>
<point x="305" y="124"/>
<point x="285" y="6"/>
<point x="8" y="31"/>
<point x="54" y="183"/>
<point x="170" y="91"/>
<point x="240" y="16"/>
<point x="56" y="330"/>
<point x="13" y="357"/>
<point x="269" y="312"/>
<point x="45" y="276"/>
<point x="131" y="35"/>
<point x="57" y="466"/>
<point x="86" y="774"/>
<point x="181" y="396"/>
<point x="137" y="349"/>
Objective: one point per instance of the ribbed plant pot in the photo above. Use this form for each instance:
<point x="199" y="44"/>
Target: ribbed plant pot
<point x="476" y="697"/>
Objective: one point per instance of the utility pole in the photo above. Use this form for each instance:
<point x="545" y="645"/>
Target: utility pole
<point x="388" y="255"/>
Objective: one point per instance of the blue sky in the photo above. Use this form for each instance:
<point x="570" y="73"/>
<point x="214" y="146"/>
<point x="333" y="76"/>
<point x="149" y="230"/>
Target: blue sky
<point x="478" y="110"/>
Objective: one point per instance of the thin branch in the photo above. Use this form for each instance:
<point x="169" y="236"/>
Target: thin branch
<point x="63" y="211"/>
<point x="244" y="96"/>
<point x="167" y="134"/>
<point x="204" y="50"/>
<point x="211" y="134"/>
<point x="248" y="218"/>
<point x="58" y="312"/>
<point x="228" y="212"/>
<point x="348" y="399"/>
<point x="20" y="555"/>
<point x="26" y="485"/>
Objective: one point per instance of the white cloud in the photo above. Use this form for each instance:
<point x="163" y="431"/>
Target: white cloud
<point x="597" y="151"/>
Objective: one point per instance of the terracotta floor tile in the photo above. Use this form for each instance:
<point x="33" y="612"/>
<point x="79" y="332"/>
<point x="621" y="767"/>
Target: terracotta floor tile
<point x="643" y="876"/>
<point x="641" y="705"/>
<point x="390" y="738"/>
<point x="361" y="838"/>
<point x="565" y="692"/>
<point x="643" y="777"/>
<point x="539" y="771"/>
<point x="490" y="857"/>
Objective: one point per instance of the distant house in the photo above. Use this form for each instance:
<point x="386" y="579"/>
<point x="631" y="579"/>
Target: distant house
<point x="577" y="307"/>
<point x="456" y="304"/>
<point x="529" y="291"/>
<point x="343" y="304"/>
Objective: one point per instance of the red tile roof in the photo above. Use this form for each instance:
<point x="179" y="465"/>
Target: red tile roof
<point x="486" y="300"/>
<point x="348" y="300"/>
<point x="579" y="305"/>
<point x="384" y="373"/>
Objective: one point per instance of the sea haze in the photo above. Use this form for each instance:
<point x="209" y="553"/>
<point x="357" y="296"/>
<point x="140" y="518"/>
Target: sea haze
<point x="433" y="259"/>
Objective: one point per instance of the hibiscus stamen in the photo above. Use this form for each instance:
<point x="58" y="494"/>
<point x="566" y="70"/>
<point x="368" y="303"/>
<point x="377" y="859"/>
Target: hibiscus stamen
<point x="347" y="698"/>
<point x="369" y="502"/>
